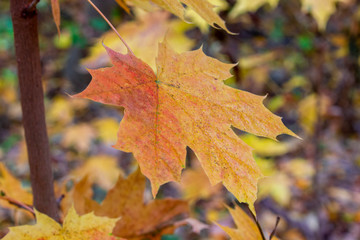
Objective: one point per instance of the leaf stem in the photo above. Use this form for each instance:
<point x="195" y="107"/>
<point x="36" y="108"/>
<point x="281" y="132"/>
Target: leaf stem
<point x="257" y="223"/>
<point x="112" y="27"/>
<point x="18" y="204"/>
<point x="276" y="224"/>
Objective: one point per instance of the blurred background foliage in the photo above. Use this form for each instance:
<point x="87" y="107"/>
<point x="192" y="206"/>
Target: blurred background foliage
<point x="306" y="62"/>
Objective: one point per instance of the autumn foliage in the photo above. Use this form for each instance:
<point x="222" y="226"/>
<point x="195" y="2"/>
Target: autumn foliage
<point x="185" y="127"/>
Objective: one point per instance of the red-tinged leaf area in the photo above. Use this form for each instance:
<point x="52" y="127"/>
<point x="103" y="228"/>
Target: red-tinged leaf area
<point x="75" y="227"/>
<point x="246" y="229"/>
<point x="125" y="200"/>
<point x="185" y="104"/>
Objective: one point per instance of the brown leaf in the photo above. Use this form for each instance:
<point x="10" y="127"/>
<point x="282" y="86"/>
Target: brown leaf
<point x="125" y="200"/>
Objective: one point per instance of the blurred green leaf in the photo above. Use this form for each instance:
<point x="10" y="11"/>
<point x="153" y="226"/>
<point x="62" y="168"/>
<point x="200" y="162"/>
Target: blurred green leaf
<point x="9" y="142"/>
<point x="99" y="24"/>
<point x="305" y="42"/>
<point x="170" y="237"/>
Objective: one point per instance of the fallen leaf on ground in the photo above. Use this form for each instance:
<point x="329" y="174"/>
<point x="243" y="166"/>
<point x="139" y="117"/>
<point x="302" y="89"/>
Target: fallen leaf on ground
<point x="101" y="169"/>
<point x="78" y="136"/>
<point x="277" y="186"/>
<point x="266" y="147"/>
<point x="106" y="129"/>
<point x="11" y="187"/>
<point x="243" y="6"/>
<point x="312" y="107"/>
<point x="60" y="111"/>
<point x="321" y="9"/>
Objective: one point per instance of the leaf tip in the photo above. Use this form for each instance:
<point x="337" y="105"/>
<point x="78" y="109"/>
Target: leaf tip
<point x="229" y="32"/>
<point x="154" y="189"/>
<point x="291" y="133"/>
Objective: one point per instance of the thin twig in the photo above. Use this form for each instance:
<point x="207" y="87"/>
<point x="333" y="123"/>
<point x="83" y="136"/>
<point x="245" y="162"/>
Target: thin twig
<point x="32" y="5"/>
<point x="112" y="27"/>
<point x="17" y="204"/>
<point x="269" y="204"/>
<point x="276" y="224"/>
<point x="30" y="9"/>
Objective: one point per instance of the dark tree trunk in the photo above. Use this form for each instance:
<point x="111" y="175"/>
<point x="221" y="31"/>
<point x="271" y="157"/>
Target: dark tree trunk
<point x="24" y="17"/>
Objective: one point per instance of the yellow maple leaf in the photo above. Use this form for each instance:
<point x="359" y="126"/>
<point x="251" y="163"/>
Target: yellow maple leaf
<point x="186" y="104"/>
<point x="277" y="186"/>
<point x="246" y="227"/>
<point x="195" y="18"/>
<point x="102" y="169"/>
<point x="266" y="147"/>
<point x="79" y="136"/>
<point x="106" y="129"/>
<point x="321" y="9"/>
<point x="80" y="196"/>
<point x="202" y="7"/>
<point x="87" y="227"/>
<point x="60" y="112"/>
<point x="312" y="107"/>
<point x="142" y="35"/>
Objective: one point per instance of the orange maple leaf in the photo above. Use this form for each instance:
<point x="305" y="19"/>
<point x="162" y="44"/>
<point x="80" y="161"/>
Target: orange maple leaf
<point x="185" y="104"/>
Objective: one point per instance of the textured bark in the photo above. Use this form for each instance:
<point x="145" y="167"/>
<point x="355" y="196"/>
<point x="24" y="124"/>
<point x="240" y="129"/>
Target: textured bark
<point x="24" y="17"/>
